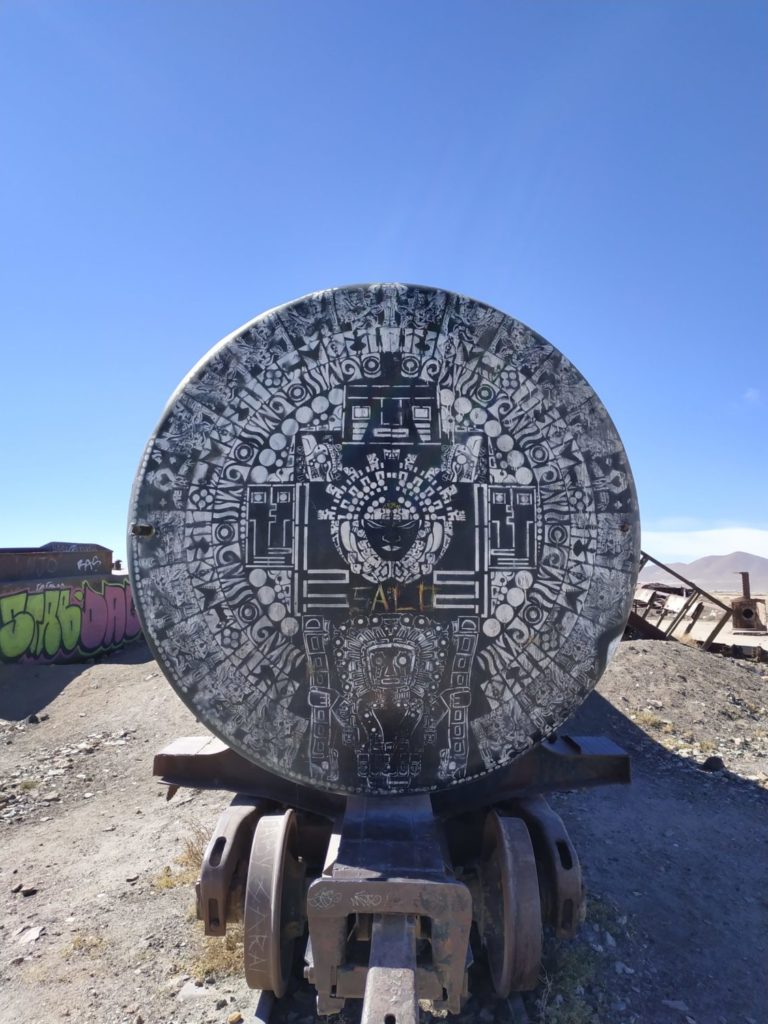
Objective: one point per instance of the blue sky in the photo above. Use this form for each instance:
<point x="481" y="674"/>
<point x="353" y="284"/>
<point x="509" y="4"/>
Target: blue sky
<point x="596" y="168"/>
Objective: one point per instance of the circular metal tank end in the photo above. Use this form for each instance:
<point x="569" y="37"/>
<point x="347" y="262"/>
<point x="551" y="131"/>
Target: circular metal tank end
<point x="384" y="539"/>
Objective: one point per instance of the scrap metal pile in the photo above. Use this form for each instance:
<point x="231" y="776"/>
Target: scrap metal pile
<point x="383" y="542"/>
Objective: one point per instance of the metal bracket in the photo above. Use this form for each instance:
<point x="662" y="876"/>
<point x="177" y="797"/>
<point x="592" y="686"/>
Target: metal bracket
<point x="560" y="882"/>
<point x="387" y="878"/>
<point x="390" y="988"/>
<point x="228" y="846"/>
<point x="562" y="762"/>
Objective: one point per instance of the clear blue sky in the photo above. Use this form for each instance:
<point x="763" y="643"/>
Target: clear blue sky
<point x="596" y="168"/>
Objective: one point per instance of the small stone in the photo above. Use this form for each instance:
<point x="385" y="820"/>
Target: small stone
<point x="87" y="796"/>
<point x="609" y="940"/>
<point x="713" y="764"/>
<point x="234" y="1018"/>
<point x="33" y="719"/>
<point x="17" y="887"/>
<point x="221" y="1003"/>
<point x="132" y="879"/>
<point x="28" y="890"/>
<point x="31" y="935"/>
<point x="621" y="968"/>
<point x="189" y="990"/>
<point x="675" y="1004"/>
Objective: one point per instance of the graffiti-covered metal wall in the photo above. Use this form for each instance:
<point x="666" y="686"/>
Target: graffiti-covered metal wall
<point x="61" y="603"/>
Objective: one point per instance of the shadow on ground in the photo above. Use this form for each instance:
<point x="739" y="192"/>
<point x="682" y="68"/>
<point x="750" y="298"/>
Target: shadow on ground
<point x="26" y="689"/>
<point x="682" y="850"/>
<point x="597" y="716"/>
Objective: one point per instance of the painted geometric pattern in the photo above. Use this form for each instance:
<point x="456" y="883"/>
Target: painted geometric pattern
<point x="393" y="537"/>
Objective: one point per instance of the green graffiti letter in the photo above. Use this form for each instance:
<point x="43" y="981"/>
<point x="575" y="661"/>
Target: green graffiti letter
<point x="51" y="628"/>
<point x="69" y="616"/>
<point x="18" y="627"/>
<point x="36" y="608"/>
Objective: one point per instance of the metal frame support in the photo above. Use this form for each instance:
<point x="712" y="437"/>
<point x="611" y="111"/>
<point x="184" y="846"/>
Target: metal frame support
<point x="390" y="913"/>
<point x="560" y="881"/>
<point x="387" y="876"/>
<point x="390" y="987"/>
<point x="562" y="762"/>
<point x="229" y="845"/>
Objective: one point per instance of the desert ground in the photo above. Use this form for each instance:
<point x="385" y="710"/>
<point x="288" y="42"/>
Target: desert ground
<point x="97" y="867"/>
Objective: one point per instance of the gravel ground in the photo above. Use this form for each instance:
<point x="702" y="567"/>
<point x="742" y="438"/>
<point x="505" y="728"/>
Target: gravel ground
<point x="96" y="871"/>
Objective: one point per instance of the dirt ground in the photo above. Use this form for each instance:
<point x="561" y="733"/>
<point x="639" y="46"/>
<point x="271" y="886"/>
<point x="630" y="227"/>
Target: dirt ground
<point x="95" y="870"/>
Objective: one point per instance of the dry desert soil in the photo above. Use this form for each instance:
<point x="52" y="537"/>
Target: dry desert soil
<point x="96" y="867"/>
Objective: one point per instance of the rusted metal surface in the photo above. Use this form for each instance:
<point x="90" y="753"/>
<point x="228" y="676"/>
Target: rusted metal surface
<point x="388" y="915"/>
<point x="388" y="859"/>
<point x="746" y="615"/>
<point x="566" y="762"/>
<point x="229" y="845"/>
<point x="561" y="885"/>
<point x="508" y="910"/>
<point x="202" y="762"/>
<point x="390" y="986"/>
<point x="746" y="610"/>
<point x="274" y="903"/>
<point x="384" y="541"/>
<point x="677" y="611"/>
<point x="638" y="628"/>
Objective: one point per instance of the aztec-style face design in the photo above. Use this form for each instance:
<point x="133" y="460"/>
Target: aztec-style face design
<point x="394" y="535"/>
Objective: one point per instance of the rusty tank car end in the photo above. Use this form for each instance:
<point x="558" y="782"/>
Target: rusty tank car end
<point x="383" y="542"/>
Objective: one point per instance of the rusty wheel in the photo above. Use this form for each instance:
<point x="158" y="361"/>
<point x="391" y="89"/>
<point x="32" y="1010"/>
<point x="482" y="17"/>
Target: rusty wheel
<point x="274" y="903"/>
<point x="510" y="919"/>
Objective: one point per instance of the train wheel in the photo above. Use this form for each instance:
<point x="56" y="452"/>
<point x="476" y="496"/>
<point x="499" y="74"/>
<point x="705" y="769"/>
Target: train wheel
<point x="511" y="908"/>
<point x="274" y="903"/>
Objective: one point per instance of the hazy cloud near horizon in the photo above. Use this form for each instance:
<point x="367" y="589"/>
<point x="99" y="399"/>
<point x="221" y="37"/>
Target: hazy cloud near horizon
<point x="688" y="545"/>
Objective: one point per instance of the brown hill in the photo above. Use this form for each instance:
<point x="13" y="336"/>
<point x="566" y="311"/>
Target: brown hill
<point x="718" y="572"/>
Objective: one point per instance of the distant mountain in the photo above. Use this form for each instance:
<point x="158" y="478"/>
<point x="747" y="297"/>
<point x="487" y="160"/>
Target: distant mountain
<point x="717" y="572"/>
